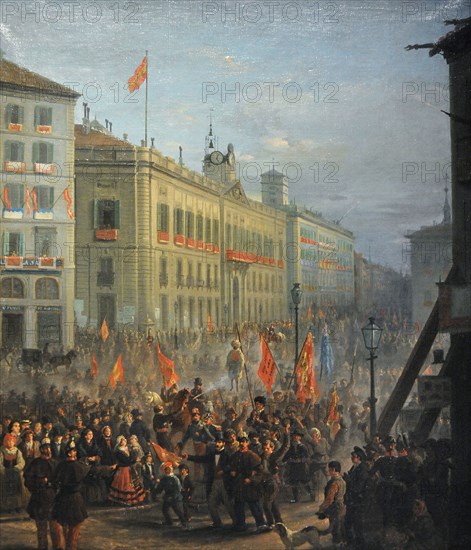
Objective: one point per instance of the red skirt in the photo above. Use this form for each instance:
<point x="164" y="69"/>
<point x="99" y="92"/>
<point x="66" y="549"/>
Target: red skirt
<point x="126" y="488"/>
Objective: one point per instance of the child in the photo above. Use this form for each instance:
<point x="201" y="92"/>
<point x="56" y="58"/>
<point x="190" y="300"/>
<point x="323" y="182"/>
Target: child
<point x="171" y="487"/>
<point x="149" y="475"/>
<point x="187" y="489"/>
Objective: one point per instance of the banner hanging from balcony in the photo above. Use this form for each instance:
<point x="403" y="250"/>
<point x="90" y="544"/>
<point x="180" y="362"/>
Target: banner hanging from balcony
<point x="28" y="201"/>
<point x="6" y="200"/>
<point x="68" y="200"/>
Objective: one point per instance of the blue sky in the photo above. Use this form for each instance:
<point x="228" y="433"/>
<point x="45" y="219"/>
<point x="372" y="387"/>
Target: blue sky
<point x="338" y="120"/>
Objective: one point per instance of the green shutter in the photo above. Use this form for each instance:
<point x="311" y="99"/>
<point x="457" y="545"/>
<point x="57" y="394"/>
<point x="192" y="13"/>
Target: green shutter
<point x="49" y="116"/>
<point x="36" y="152"/>
<point x="50" y="153"/>
<point x="175" y="226"/>
<point x="6" y="243"/>
<point x="21" y="194"/>
<point x="36" y="116"/>
<point x="21" y="151"/>
<point x="8" y="113"/>
<point x="21" y="115"/>
<point x="116" y="215"/>
<point x="21" y="251"/>
<point x="7" y="150"/>
<point x="51" y="197"/>
<point x="96" y="222"/>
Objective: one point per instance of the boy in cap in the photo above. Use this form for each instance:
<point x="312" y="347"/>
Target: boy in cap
<point x="187" y="489"/>
<point x="171" y="487"/>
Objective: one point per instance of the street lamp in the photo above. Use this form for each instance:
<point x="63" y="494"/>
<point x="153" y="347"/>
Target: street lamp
<point x="372" y="335"/>
<point x="296" y="294"/>
<point x="175" y="307"/>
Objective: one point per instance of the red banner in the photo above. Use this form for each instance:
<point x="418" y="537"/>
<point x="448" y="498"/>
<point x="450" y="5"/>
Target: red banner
<point x="139" y="76"/>
<point x="27" y="201"/>
<point x="166" y="456"/>
<point x="104" y="332"/>
<point x="333" y="415"/>
<point x="94" y="368"/>
<point x="267" y="367"/>
<point x="34" y="196"/>
<point x="6" y="200"/>
<point x="68" y="200"/>
<point x="117" y="374"/>
<point x="167" y="368"/>
<point x="305" y="380"/>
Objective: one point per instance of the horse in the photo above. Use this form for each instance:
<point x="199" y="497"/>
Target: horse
<point x="181" y="414"/>
<point x="58" y="360"/>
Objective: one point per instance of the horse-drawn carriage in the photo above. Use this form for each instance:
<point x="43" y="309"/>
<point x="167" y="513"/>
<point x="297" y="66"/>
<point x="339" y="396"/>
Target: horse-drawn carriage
<point x="39" y="362"/>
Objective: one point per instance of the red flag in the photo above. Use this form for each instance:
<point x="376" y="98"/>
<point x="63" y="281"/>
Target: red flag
<point x="94" y="369"/>
<point x="117" y="374"/>
<point x="210" y="324"/>
<point x="267" y="367"/>
<point x="68" y="200"/>
<point x="6" y="200"/>
<point x="34" y="196"/>
<point x="167" y="368"/>
<point x="104" y="332"/>
<point x="306" y="383"/>
<point x="333" y="415"/>
<point x="166" y="456"/>
<point x="27" y="201"/>
<point x="139" y="76"/>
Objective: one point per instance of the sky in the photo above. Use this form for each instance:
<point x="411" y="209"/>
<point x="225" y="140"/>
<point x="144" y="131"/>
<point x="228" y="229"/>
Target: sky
<point x="324" y="90"/>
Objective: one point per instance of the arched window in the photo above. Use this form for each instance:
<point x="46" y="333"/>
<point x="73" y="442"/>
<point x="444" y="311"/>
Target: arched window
<point x="47" y="289"/>
<point x="12" y="288"/>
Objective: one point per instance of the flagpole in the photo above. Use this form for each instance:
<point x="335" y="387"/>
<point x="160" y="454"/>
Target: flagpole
<point x="296" y="365"/>
<point x="245" y="368"/>
<point x="147" y="81"/>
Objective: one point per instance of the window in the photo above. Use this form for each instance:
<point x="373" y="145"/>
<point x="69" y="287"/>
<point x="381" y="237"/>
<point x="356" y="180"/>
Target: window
<point x="216" y="279"/>
<point x="45" y="242"/>
<point x="199" y="227"/>
<point x="163" y="275"/>
<point x="106" y="214"/>
<point x="47" y="289"/>
<point x="164" y="312"/>
<point x="190" y="224"/>
<point x="43" y="152"/>
<point x="11" y="288"/>
<point x="14" y="151"/>
<point x="45" y="197"/>
<point x="162" y="217"/>
<point x="216" y="231"/>
<point x="105" y="276"/>
<point x="13" y="244"/>
<point x="208" y="230"/>
<point x="13" y="115"/>
<point x="43" y="116"/>
<point x="179" y="273"/>
<point x="178" y="221"/>
<point x="228" y="236"/>
<point x="208" y="276"/>
<point x="16" y="196"/>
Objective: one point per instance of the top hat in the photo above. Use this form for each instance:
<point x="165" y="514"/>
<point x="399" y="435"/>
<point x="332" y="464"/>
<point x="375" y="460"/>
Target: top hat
<point x="198" y="381"/>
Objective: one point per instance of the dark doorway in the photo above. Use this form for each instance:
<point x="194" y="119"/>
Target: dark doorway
<point x="12" y="330"/>
<point x="107" y="310"/>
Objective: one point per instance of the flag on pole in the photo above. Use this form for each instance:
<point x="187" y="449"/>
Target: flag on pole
<point x="104" y="332"/>
<point x="332" y="414"/>
<point x="27" y="201"/>
<point x="6" y="200"/>
<point x="68" y="200"/>
<point x="139" y="76"/>
<point x="94" y="368"/>
<point x="327" y="355"/>
<point x="210" y="323"/>
<point x="117" y="374"/>
<point x="267" y="367"/>
<point x="164" y="455"/>
<point x="167" y="368"/>
<point x="304" y="371"/>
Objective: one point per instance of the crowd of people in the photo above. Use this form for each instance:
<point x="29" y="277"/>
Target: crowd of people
<point x="228" y="445"/>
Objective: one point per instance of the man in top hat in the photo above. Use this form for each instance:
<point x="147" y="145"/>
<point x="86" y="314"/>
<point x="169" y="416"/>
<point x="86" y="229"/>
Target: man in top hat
<point x="258" y="418"/>
<point x="197" y="396"/>
<point x="140" y="430"/>
<point x="355" y="498"/>
<point x="232" y="420"/>
<point x="38" y="475"/>
<point x="161" y="424"/>
<point x="235" y="364"/>
<point x="297" y="467"/>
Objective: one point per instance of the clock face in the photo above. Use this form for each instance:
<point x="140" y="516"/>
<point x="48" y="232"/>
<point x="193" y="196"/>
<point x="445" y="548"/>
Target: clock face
<point x="216" y="157"/>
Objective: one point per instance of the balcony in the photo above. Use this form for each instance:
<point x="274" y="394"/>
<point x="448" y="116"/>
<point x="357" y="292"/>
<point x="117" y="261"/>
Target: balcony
<point x="190" y="282"/>
<point x="13" y="213"/>
<point x="179" y="240"/>
<point x="216" y="249"/>
<point x="15" y="166"/>
<point x="44" y="168"/>
<point x="163" y="236"/>
<point x="105" y="278"/>
<point x="30" y="262"/>
<point x="199" y="245"/>
<point x="163" y="279"/>
<point x="44" y="129"/>
<point x="208" y="247"/>
<point x="106" y="234"/>
<point x="190" y="243"/>
<point x="15" y="127"/>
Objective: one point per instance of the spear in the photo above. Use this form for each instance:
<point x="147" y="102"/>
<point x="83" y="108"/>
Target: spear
<point x="245" y="366"/>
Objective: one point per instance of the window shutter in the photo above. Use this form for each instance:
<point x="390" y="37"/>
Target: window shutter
<point x="37" y="111"/>
<point x="175" y="223"/>
<point x="8" y="112"/>
<point x="21" y="115"/>
<point x="6" y="243"/>
<point x="21" y="194"/>
<point x="7" y="150"/>
<point x="49" y="116"/>
<point x="21" y="151"/>
<point x="51" y="197"/>
<point x="96" y="209"/>
<point x="36" y="152"/>
<point x="50" y="153"/>
<point x="116" y="215"/>
<point x="21" y="251"/>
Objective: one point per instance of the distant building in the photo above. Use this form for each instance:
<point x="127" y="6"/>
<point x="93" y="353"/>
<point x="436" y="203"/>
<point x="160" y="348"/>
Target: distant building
<point x="430" y="255"/>
<point x="37" y="225"/>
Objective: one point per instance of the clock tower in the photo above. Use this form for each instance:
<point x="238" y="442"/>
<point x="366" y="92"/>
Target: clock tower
<point x="218" y="166"/>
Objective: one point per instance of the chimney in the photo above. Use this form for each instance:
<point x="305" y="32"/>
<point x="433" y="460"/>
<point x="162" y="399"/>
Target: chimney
<point x="110" y="126"/>
<point x="152" y="142"/>
<point x="88" y="113"/>
<point x="125" y="136"/>
<point x="106" y="123"/>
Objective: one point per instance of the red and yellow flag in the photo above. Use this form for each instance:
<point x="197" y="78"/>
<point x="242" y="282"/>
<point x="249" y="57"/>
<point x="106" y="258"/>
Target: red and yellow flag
<point x="34" y="196"/>
<point x="117" y="374"/>
<point x="332" y="414"/>
<point x="166" y="456"/>
<point x="167" y="368"/>
<point x="27" y="201"/>
<point x="210" y="323"/>
<point x="304" y="371"/>
<point x="139" y="76"/>
<point x="6" y="200"/>
<point x="94" y="368"/>
<point x="267" y="367"/>
<point x="104" y="332"/>
<point x="68" y="200"/>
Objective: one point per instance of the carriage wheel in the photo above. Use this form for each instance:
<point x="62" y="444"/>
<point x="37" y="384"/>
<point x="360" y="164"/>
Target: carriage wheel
<point x="21" y="366"/>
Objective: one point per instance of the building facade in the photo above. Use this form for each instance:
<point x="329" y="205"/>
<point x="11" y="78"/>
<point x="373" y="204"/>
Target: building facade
<point x="37" y="223"/>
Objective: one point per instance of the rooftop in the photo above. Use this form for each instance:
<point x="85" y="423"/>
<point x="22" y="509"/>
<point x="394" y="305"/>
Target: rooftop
<point x="98" y="139"/>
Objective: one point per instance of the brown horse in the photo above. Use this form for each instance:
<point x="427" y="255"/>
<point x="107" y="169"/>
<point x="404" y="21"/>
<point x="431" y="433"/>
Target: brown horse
<point x="181" y="415"/>
<point x="58" y="360"/>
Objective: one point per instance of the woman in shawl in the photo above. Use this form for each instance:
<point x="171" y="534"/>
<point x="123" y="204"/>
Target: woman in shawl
<point x="126" y="488"/>
<point x="12" y="463"/>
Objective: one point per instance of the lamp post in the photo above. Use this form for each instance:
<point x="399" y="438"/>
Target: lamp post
<point x="372" y="335"/>
<point x="296" y="294"/>
<point x="226" y="317"/>
<point x="175" y="307"/>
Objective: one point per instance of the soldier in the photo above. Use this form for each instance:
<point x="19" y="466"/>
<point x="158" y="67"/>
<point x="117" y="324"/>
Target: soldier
<point x="356" y="479"/>
<point x="38" y="475"/>
<point x="388" y="489"/>
<point x="197" y="398"/>
<point x="333" y="506"/>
